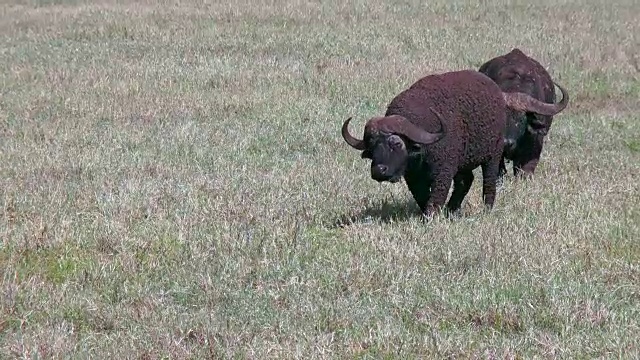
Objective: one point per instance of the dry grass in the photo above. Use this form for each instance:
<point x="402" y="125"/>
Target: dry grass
<point x="174" y="185"/>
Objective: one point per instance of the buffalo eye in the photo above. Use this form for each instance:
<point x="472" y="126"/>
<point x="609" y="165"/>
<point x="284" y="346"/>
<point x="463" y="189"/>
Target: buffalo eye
<point x="395" y="142"/>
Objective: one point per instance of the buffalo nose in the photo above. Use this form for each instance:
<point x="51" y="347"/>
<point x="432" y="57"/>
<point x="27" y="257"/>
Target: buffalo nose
<point x="379" y="170"/>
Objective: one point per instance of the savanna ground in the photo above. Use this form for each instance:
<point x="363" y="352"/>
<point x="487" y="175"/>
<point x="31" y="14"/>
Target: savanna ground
<point x="174" y="185"/>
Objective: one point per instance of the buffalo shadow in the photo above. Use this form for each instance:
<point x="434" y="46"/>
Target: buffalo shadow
<point x="388" y="210"/>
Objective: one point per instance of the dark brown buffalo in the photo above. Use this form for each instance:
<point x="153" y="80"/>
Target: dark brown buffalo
<point x="438" y="131"/>
<point x="525" y="131"/>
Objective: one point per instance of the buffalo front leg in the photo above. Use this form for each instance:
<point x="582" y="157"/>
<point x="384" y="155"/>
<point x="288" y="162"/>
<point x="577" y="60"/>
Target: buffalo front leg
<point x="501" y="173"/>
<point x="490" y="170"/>
<point x="525" y="168"/>
<point x="461" y="185"/>
<point x="527" y="161"/>
<point x="439" y="191"/>
<point x="420" y="189"/>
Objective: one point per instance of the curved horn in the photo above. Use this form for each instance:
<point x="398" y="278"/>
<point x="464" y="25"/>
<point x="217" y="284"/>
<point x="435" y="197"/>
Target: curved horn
<point x="400" y="125"/>
<point x="355" y="143"/>
<point x="523" y="102"/>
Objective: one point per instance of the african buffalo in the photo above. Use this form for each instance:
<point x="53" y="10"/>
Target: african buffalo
<point x="438" y="131"/>
<point x="526" y="130"/>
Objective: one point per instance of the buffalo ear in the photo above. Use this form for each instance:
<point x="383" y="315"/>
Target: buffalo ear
<point x="366" y="154"/>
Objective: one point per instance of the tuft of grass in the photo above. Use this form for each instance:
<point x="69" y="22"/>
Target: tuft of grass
<point x="174" y="185"/>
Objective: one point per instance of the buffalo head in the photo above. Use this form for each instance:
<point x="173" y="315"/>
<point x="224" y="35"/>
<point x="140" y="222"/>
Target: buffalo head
<point x="516" y="78"/>
<point x="389" y="142"/>
<point x="517" y="124"/>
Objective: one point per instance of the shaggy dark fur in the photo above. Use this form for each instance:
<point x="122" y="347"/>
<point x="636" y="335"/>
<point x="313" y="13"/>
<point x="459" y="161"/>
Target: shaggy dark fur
<point x="438" y="131"/>
<point x="525" y="132"/>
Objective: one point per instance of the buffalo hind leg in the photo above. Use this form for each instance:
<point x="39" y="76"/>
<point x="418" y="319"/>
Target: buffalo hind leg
<point x="490" y="170"/>
<point x="461" y="185"/>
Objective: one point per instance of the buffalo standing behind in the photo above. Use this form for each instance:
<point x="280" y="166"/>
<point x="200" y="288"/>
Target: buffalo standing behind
<point x="525" y="131"/>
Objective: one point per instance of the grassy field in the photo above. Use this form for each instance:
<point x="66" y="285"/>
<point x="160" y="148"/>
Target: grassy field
<point x="173" y="184"/>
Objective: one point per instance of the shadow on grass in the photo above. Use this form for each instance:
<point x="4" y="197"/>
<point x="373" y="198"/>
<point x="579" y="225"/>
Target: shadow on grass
<point x="385" y="211"/>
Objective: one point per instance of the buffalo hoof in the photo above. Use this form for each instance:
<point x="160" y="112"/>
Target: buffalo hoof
<point x="454" y="214"/>
<point x="429" y="213"/>
<point x="426" y="218"/>
<point x="499" y="184"/>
